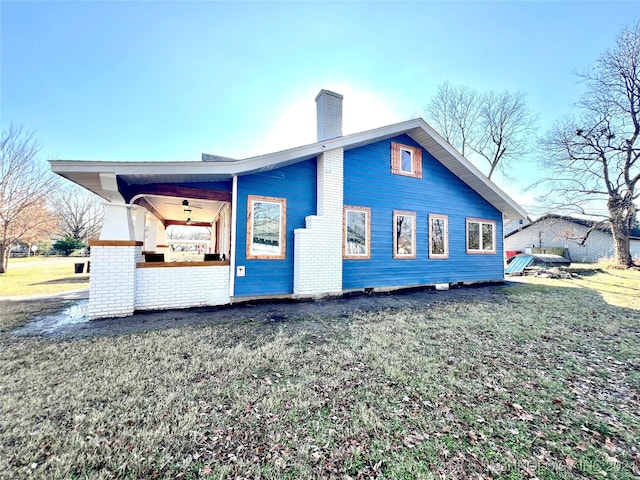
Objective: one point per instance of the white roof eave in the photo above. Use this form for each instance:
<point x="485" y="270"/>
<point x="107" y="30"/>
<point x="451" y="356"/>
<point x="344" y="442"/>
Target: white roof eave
<point x="418" y="129"/>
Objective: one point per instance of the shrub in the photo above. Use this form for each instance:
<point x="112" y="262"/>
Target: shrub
<point x="68" y="245"/>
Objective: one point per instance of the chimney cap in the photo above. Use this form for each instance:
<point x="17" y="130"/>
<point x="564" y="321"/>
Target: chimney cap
<point x="328" y="92"/>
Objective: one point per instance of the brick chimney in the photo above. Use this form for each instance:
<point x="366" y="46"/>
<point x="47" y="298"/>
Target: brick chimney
<point x="329" y="113"/>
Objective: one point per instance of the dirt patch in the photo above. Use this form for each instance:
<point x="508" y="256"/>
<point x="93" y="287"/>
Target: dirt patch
<point x="304" y="313"/>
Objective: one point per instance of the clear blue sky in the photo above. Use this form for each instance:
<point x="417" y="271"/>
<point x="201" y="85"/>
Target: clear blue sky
<point x="161" y="80"/>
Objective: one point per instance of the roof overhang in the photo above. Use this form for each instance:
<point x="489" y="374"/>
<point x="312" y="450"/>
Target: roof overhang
<point x="87" y="173"/>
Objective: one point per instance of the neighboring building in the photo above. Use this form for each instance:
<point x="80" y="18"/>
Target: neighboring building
<point x="514" y="225"/>
<point x="383" y="209"/>
<point x="583" y="242"/>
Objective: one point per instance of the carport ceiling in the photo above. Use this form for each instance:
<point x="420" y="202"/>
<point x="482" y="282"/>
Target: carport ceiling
<point x="172" y="208"/>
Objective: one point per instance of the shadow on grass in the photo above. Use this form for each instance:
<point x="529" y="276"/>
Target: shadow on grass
<point x="588" y="275"/>
<point x="64" y="281"/>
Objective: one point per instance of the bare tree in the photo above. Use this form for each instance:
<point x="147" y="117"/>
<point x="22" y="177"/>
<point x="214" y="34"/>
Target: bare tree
<point x="454" y="112"/>
<point x="80" y="213"/>
<point x="493" y="126"/>
<point x="504" y="129"/>
<point x="594" y="155"/>
<point x="25" y="184"/>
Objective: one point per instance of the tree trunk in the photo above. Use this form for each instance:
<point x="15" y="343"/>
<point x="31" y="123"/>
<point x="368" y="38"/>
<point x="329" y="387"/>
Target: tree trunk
<point x="621" y="213"/>
<point x="3" y="260"/>
<point x="621" y="250"/>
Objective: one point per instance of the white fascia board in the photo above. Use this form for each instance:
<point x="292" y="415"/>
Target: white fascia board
<point x="470" y="174"/>
<point x="134" y="168"/>
<point x="476" y="180"/>
<point x="230" y="168"/>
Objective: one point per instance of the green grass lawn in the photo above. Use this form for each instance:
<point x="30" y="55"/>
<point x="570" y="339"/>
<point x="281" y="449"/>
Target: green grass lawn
<point x="42" y="276"/>
<point x="530" y="381"/>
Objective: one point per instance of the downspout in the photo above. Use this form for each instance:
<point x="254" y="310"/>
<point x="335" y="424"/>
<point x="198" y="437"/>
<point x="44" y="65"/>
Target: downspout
<point x="232" y="247"/>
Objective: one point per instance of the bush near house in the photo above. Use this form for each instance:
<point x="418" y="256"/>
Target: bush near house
<point x="67" y="245"/>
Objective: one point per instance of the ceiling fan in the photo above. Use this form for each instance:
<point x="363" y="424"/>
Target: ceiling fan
<point x="185" y="204"/>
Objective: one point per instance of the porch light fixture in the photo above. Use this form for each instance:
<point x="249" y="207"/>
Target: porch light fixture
<point x="185" y="203"/>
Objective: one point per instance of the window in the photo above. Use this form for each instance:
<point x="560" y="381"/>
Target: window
<point x="438" y="236"/>
<point x="404" y="238"/>
<point x="357" y="233"/>
<point x="266" y="227"/>
<point x="481" y="236"/>
<point x="406" y="160"/>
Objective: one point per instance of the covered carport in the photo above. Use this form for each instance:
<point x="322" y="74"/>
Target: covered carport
<point x="131" y="266"/>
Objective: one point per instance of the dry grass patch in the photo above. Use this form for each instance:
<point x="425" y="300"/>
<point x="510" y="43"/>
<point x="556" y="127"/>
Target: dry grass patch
<point x="528" y="382"/>
<point x="42" y="276"/>
<point x="617" y="286"/>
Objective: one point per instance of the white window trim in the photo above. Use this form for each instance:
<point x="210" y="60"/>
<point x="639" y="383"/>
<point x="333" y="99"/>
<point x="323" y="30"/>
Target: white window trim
<point x="410" y="152"/>
<point x="481" y="222"/>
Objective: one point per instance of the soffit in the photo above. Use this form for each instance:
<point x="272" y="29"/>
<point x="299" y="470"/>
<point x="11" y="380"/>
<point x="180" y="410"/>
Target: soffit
<point x="172" y="208"/>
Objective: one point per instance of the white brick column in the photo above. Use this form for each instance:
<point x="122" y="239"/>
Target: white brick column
<point x="114" y="257"/>
<point x="317" y="257"/>
<point x="112" y="282"/>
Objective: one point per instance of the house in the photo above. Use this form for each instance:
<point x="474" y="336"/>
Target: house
<point x="584" y="240"/>
<point x="392" y="207"/>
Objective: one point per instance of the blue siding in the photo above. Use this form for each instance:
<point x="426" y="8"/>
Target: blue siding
<point x="296" y="183"/>
<point x="369" y="183"/>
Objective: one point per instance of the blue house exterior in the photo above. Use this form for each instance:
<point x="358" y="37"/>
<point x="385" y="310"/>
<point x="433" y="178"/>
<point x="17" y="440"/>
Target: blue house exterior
<point x="368" y="183"/>
<point x="297" y="184"/>
<point x="384" y="209"/>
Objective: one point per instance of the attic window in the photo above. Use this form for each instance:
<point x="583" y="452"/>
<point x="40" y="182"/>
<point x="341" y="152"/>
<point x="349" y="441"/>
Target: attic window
<point x="266" y="227"/>
<point x="481" y="236"/>
<point x="406" y="160"/>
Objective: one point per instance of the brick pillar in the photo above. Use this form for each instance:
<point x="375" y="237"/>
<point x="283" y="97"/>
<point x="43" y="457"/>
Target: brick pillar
<point x="112" y="283"/>
<point x="113" y="265"/>
<point x="317" y="267"/>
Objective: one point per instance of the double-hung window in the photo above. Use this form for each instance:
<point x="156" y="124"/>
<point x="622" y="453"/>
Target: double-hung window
<point x="357" y="233"/>
<point x="404" y="234"/>
<point x="481" y="236"/>
<point x="438" y="236"/>
<point x="266" y="227"/>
